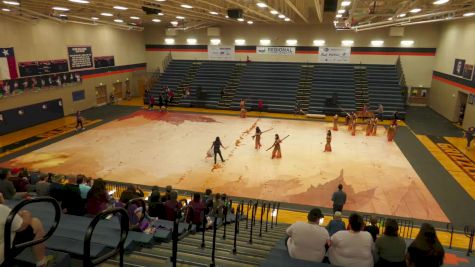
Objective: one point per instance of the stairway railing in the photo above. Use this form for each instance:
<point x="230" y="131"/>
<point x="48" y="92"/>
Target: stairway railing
<point x="469" y="231"/>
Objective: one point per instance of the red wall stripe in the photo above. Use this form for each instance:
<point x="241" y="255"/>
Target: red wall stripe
<point x="456" y="84"/>
<point x="96" y="75"/>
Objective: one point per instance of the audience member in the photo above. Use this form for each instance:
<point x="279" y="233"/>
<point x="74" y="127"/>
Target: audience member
<point x="196" y="208"/>
<point x="217" y="208"/>
<point x="84" y="187"/>
<point x="373" y="228"/>
<point x="352" y="248"/>
<point x="307" y="240"/>
<point x="425" y="250"/>
<point x="97" y="198"/>
<point x="168" y="190"/>
<point x="156" y="207"/>
<point x="390" y="248"/>
<point x="24" y="228"/>
<point x="71" y="198"/>
<point x="131" y="192"/>
<point x="42" y="187"/>
<point x="56" y="187"/>
<point x="19" y="180"/>
<point x="336" y="224"/>
<point x="6" y="186"/>
<point x="339" y="199"/>
<point x="35" y="176"/>
<point x="172" y="206"/>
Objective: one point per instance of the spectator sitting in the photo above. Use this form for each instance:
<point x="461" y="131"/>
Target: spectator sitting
<point x="19" y="180"/>
<point x="196" y="209"/>
<point x="172" y="206"/>
<point x="56" y="187"/>
<point x="97" y="198"/>
<point x="217" y="206"/>
<point x="307" y="240"/>
<point x="390" y="249"/>
<point x="71" y="200"/>
<point x="208" y="200"/>
<point x="166" y="196"/>
<point x="352" y="248"/>
<point x="131" y="192"/>
<point x="42" y="187"/>
<point x="425" y="250"/>
<point x="137" y="219"/>
<point x="6" y="186"/>
<point x="336" y="224"/>
<point x="24" y="228"/>
<point x="373" y="228"/>
<point x="35" y="176"/>
<point x="83" y="186"/>
<point x="155" y="206"/>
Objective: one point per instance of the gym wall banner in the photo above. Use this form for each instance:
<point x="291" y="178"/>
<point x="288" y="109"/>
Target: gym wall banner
<point x="220" y="52"/>
<point x="275" y="50"/>
<point x="334" y="54"/>
<point x="80" y="57"/>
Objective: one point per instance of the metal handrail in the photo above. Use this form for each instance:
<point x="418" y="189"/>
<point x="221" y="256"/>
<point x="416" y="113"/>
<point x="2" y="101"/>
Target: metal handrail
<point x="11" y="251"/>
<point x="236" y="228"/>
<point x="469" y="231"/>
<point x="124" y="230"/>
<point x="450" y="229"/>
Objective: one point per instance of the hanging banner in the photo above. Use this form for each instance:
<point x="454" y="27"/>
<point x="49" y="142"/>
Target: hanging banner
<point x="220" y="52"/>
<point x="275" y="50"/>
<point x="80" y="57"/>
<point x="334" y="54"/>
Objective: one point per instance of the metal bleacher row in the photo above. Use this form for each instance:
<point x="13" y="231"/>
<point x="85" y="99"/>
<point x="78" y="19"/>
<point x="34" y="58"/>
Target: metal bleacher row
<point x="277" y="85"/>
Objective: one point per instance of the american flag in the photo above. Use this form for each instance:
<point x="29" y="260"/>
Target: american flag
<point x="8" y="69"/>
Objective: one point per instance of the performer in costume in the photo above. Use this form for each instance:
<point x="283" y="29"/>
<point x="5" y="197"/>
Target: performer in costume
<point x="79" y="121"/>
<point x="347" y="119"/>
<point x="276" y="153"/>
<point x="350" y="122"/>
<point x="353" y="126"/>
<point x="328" y="146"/>
<point x="392" y="131"/>
<point x="242" y="105"/>
<point x="369" y="127"/>
<point x="470" y="135"/>
<point x="375" y="126"/>
<point x="217" y="149"/>
<point x="335" y="122"/>
<point x="258" y="138"/>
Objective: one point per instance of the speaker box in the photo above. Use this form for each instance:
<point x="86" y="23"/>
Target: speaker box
<point x="235" y="13"/>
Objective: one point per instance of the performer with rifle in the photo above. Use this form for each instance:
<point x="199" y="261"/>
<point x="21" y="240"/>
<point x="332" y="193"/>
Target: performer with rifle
<point x="257" y="137"/>
<point x="277" y="153"/>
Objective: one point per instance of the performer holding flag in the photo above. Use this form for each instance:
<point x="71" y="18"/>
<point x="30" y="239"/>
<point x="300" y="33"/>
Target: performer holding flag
<point x="277" y="153"/>
<point x="257" y="137"/>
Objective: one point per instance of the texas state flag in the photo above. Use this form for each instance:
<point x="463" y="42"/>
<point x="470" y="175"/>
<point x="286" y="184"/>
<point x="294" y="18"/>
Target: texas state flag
<point x="7" y="64"/>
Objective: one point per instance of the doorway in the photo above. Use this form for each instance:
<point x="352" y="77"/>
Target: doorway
<point x="461" y="106"/>
<point x="101" y="95"/>
<point x="118" y="90"/>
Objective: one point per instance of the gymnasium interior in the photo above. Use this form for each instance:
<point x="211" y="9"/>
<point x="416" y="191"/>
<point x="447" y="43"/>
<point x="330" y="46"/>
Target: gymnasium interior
<point x="375" y="96"/>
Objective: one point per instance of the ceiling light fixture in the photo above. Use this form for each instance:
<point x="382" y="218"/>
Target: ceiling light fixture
<point x="160" y="14"/>
<point x="156" y="20"/>
<point x="338" y="16"/>
<point x="287" y="19"/>
<point x="213" y="13"/>
<point x="345" y="3"/>
<point x="240" y="19"/>
<point x="440" y="2"/>
<point x="94" y="18"/>
<point x="264" y="42"/>
<point x="63" y="15"/>
<point x="134" y="17"/>
<point x="318" y="42"/>
<point x="180" y="17"/>
<point x="341" y="11"/>
<point x="291" y="42"/>
<point x="106" y="14"/>
<point x="215" y="41"/>
<point x="174" y="23"/>
<point x="390" y="19"/>
<point x="191" y="41"/>
<point x="261" y="5"/>
<point x="415" y="10"/>
<point x="282" y="16"/>
<point x="79" y="1"/>
<point x="274" y="12"/>
<point x="186" y="6"/>
<point x="250" y="22"/>
<point x="6" y="9"/>
<point x="407" y="42"/>
<point x="347" y="42"/>
<point x="377" y="42"/>
<point x="402" y="15"/>
<point x="13" y="3"/>
<point x="240" y="41"/>
<point x="169" y="41"/>
<point x="60" y="8"/>
<point x="469" y="14"/>
<point x="121" y="7"/>
<point x="118" y="20"/>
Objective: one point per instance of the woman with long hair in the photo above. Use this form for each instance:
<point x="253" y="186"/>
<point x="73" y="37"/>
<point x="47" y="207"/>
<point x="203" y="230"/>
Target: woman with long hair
<point x="276" y="153"/>
<point x="258" y="137"/>
<point x="217" y="149"/>
<point x="97" y="198"/>
<point x="425" y="250"/>
<point x="328" y="146"/>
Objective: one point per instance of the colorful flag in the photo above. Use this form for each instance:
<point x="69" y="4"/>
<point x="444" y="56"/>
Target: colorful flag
<point x="8" y="69"/>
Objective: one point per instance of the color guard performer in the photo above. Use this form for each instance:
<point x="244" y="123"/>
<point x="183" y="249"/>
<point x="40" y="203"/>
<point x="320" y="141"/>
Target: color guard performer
<point x="328" y="146"/>
<point x="392" y="132"/>
<point x="350" y="122"/>
<point x="375" y="126"/>
<point x="79" y="121"/>
<point x="369" y="127"/>
<point x="353" y="127"/>
<point x="258" y="138"/>
<point x="242" y="106"/>
<point x="276" y="153"/>
<point x="335" y="122"/>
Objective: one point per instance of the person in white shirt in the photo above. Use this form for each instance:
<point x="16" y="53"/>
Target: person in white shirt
<point x="24" y="228"/>
<point x="306" y="240"/>
<point x="353" y="248"/>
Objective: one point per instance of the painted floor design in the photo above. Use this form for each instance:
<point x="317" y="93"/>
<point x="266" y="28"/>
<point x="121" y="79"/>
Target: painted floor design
<point x="170" y="148"/>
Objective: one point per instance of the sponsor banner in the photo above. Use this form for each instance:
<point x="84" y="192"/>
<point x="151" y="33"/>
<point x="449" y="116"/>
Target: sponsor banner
<point x="34" y="68"/>
<point x="220" y="52"/>
<point x="334" y="54"/>
<point x="103" y="62"/>
<point x="80" y="57"/>
<point x="276" y="50"/>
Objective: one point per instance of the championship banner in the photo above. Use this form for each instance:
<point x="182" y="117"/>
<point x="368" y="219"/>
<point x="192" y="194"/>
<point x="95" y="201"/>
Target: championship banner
<point x="275" y="50"/>
<point x="334" y="54"/>
<point x="220" y="52"/>
<point x="80" y="57"/>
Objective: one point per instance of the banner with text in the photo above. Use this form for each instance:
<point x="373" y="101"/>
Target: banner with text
<point x="334" y="54"/>
<point x="80" y="57"/>
<point x="220" y="52"/>
<point x="275" y="50"/>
